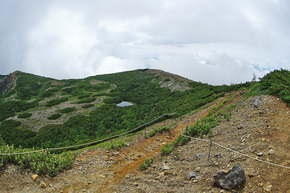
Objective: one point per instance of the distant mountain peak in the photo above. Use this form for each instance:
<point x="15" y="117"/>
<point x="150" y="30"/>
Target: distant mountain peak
<point x="172" y="81"/>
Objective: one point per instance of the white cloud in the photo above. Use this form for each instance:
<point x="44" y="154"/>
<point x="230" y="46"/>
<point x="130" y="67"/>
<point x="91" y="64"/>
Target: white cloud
<point x="210" y="41"/>
<point x="60" y="45"/>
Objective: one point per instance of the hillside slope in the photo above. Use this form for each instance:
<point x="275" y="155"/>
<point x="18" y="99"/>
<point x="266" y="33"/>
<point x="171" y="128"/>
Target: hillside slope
<point x="249" y="130"/>
<point x="85" y="112"/>
<point x="50" y="113"/>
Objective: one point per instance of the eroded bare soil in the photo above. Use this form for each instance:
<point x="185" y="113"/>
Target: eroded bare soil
<point x="250" y="131"/>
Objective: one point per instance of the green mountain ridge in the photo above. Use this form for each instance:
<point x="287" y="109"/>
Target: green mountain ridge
<point x="39" y="113"/>
<point x="42" y="112"/>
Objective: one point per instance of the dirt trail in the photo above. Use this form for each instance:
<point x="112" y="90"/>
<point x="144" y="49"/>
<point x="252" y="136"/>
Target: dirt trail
<point x="141" y="150"/>
<point x="99" y="170"/>
<point x="132" y="168"/>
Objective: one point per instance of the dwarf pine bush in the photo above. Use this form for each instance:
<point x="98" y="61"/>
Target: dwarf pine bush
<point x="42" y="162"/>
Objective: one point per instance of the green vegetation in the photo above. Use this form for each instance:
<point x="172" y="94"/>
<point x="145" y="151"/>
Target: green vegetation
<point x="2" y="142"/>
<point x="42" y="162"/>
<point x="86" y="100"/>
<point x="176" y="155"/>
<point x="67" y="110"/>
<point x="84" y="96"/>
<point x="219" y="106"/>
<point x="2" y="76"/>
<point x="116" y="144"/>
<point x="82" y="87"/>
<point x="12" y="133"/>
<point x="54" y="116"/>
<point x="167" y="148"/>
<point x="150" y="101"/>
<point x="274" y="83"/>
<point x="181" y="140"/>
<point x="159" y="129"/>
<point x="29" y="86"/>
<point x="277" y="83"/>
<point x="9" y="108"/>
<point x="87" y="106"/>
<point x="56" y="101"/>
<point x="201" y="127"/>
<point x="146" y="164"/>
<point x="99" y="94"/>
<point x="49" y="93"/>
<point x="225" y="113"/>
<point x="24" y="115"/>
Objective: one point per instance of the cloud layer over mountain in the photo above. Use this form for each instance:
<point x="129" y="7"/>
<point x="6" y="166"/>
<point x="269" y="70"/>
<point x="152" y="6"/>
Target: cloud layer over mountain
<point x="210" y="41"/>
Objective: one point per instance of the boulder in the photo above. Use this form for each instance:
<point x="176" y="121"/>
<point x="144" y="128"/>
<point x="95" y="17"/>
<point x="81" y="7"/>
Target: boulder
<point x="271" y="152"/>
<point x="218" y="154"/>
<point x="198" y="156"/>
<point x="256" y="102"/>
<point x="191" y="174"/>
<point x="197" y="169"/>
<point x="43" y="184"/>
<point x="231" y="179"/>
<point x="260" y="154"/>
<point x="240" y="126"/>
<point x="268" y="188"/>
<point x="165" y="167"/>
<point x="34" y="177"/>
<point x="107" y="158"/>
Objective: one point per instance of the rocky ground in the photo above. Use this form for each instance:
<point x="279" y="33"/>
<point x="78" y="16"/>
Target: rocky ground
<point x="261" y="132"/>
<point x="172" y="81"/>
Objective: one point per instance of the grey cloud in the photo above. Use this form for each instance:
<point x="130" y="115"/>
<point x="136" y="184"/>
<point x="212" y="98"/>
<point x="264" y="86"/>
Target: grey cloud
<point x="206" y="40"/>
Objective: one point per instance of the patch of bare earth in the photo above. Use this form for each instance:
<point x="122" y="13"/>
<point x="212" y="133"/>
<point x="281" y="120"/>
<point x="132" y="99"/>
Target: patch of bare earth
<point x="249" y="131"/>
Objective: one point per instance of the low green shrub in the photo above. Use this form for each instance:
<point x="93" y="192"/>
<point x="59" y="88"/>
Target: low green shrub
<point x="86" y="100"/>
<point x="176" y="155"/>
<point x="48" y="93"/>
<point x="24" y="115"/>
<point x="274" y="83"/>
<point x="255" y="90"/>
<point x="113" y="100"/>
<point x="99" y="94"/>
<point x="9" y="108"/>
<point x="116" y="145"/>
<point x="202" y="127"/>
<point x="54" y="116"/>
<point x="67" y="110"/>
<point x="167" y="148"/>
<point x="219" y="106"/>
<point x="2" y="142"/>
<point x="87" y="106"/>
<point x="277" y="83"/>
<point x="56" y="101"/>
<point x="155" y="130"/>
<point x="84" y="96"/>
<point x="182" y="140"/>
<point x="43" y="162"/>
<point x="146" y="164"/>
<point x="225" y="113"/>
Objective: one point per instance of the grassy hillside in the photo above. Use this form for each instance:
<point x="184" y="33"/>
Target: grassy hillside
<point x="76" y="111"/>
<point x="83" y="110"/>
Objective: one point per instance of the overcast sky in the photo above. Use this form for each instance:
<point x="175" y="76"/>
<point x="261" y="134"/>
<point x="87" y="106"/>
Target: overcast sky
<point x="212" y="41"/>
